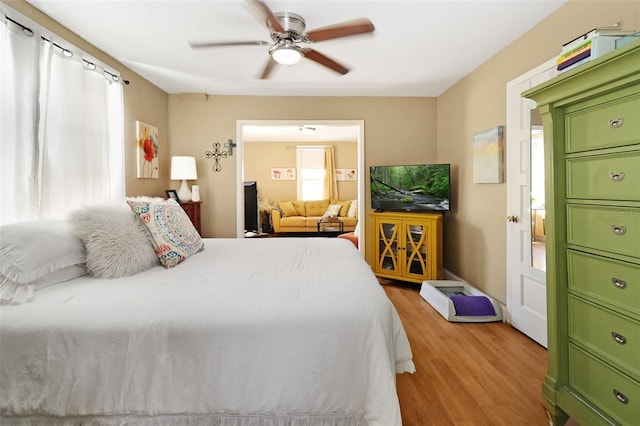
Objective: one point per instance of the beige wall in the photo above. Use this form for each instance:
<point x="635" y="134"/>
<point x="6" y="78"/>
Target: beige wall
<point x="396" y="129"/>
<point x="142" y="101"/>
<point x="260" y="157"/>
<point x="475" y="234"/>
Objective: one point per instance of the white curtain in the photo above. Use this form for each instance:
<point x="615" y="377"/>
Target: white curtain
<point x="62" y="129"/>
<point x="18" y="95"/>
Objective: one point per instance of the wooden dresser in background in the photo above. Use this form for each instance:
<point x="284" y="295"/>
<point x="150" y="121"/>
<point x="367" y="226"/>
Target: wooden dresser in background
<point x="192" y="208"/>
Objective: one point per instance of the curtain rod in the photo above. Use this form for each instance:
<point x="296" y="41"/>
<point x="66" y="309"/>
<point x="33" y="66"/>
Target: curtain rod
<point x="26" y="30"/>
<point x="66" y="52"/>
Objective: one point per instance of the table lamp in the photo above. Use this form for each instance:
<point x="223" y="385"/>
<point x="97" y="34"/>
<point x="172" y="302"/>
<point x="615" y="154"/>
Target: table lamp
<point x="183" y="168"/>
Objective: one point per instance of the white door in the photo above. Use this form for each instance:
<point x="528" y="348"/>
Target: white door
<point x="526" y="276"/>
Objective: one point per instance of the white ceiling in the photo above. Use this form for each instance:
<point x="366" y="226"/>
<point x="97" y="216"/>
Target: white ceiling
<point x="419" y="48"/>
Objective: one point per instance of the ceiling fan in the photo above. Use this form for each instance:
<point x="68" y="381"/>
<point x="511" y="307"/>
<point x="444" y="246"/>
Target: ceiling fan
<point x="288" y="32"/>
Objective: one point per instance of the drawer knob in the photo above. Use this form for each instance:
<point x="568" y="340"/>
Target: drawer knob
<point x="619" y="338"/>
<point x="618" y="283"/>
<point x="616" y="176"/>
<point x="620" y="396"/>
<point x="619" y="229"/>
<point x="617" y="123"/>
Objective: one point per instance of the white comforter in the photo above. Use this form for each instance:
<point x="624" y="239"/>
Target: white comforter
<point x="248" y="332"/>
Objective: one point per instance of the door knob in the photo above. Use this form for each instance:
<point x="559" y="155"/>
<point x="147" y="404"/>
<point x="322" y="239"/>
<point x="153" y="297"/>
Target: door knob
<point x="513" y="218"/>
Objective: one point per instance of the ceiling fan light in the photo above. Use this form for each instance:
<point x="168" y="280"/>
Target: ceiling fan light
<point x="286" y="55"/>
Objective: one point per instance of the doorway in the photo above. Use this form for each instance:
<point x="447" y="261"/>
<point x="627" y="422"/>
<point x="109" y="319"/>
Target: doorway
<point x="526" y="266"/>
<point x="249" y="131"/>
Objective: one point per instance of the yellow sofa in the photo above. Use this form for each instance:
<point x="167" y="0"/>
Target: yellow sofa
<point x="303" y="216"/>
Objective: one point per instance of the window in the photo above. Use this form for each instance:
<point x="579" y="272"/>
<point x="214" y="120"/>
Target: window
<point x="311" y="172"/>
<point x="62" y="120"/>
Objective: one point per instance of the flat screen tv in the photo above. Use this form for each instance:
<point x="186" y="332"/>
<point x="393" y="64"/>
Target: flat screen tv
<point x="411" y="188"/>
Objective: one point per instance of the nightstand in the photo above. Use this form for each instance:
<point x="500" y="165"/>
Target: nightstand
<point x="192" y="208"/>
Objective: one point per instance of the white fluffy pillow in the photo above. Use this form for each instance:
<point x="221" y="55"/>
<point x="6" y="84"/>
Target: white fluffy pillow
<point x="36" y="254"/>
<point x="116" y="242"/>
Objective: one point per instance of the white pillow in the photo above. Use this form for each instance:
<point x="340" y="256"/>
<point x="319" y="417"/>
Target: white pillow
<point x="32" y="253"/>
<point x="353" y="209"/>
<point x="117" y="243"/>
<point x="333" y="210"/>
<point x="59" y="276"/>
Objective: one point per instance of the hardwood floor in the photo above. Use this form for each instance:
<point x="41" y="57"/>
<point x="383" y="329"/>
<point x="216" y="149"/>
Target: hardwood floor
<point x="466" y="373"/>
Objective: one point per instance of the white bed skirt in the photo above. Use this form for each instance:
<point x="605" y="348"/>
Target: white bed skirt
<point x="190" y="420"/>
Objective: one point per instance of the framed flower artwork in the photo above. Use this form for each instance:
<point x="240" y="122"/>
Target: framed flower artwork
<point x="147" y="146"/>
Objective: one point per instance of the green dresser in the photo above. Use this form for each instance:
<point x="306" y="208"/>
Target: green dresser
<point x="591" y="119"/>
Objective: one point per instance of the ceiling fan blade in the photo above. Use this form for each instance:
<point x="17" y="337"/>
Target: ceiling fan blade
<point x="265" y="15"/>
<point x="268" y="68"/>
<point x="200" y="45"/>
<point x="344" y="29"/>
<point x="318" y="57"/>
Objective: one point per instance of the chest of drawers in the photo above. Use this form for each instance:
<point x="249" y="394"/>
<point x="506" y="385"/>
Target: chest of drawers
<point x="591" y="119"/>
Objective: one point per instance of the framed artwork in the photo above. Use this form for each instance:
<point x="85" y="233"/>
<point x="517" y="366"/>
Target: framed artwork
<point x="147" y="145"/>
<point x="346" y="174"/>
<point x="276" y="174"/>
<point x="289" y="174"/>
<point x="488" y="153"/>
<point x="283" y="173"/>
<point x="173" y="194"/>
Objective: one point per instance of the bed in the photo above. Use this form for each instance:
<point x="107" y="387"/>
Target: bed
<point x="246" y="332"/>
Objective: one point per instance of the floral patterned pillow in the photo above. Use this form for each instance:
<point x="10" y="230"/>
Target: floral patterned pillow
<point x="174" y="236"/>
<point x="333" y="210"/>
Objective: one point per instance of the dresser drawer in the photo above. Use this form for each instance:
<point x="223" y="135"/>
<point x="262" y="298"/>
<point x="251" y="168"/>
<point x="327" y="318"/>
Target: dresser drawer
<point x="614" y="337"/>
<point x="605" y="177"/>
<point x="608" y="228"/>
<point x="606" y="125"/>
<point x="615" y="394"/>
<point x="611" y="281"/>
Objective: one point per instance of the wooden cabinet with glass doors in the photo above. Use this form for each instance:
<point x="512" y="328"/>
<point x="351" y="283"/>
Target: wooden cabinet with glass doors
<point x="407" y="246"/>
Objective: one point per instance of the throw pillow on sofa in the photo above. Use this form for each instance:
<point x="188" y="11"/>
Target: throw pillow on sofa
<point x="332" y="211"/>
<point x="345" y="206"/>
<point x="287" y="208"/>
<point x="353" y="209"/>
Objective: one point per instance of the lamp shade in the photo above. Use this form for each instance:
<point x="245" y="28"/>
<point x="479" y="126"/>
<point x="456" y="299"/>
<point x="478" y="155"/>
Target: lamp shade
<point x="183" y="168"/>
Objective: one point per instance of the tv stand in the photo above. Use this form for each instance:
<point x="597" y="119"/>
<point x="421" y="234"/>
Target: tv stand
<point x="407" y="246"/>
